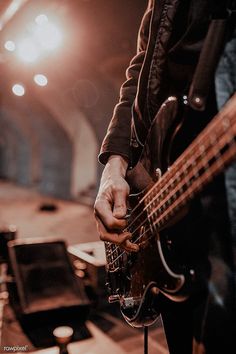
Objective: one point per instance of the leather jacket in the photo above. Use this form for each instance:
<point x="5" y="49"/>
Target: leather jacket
<point x="169" y="43"/>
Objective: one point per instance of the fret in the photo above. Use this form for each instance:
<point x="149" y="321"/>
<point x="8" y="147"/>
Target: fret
<point x="186" y="168"/>
<point x="195" y="169"/>
<point x="214" y="143"/>
<point x="198" y="184"/>
<point x="226" y="125"/>
<point x="112" y="253"/>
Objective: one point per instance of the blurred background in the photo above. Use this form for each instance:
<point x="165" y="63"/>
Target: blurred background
<point x="61" y="66"/>
<point x="62" y="63"/>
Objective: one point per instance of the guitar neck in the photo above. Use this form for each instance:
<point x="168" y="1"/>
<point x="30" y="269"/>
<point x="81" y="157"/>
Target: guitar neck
<point x="208" y="155"/>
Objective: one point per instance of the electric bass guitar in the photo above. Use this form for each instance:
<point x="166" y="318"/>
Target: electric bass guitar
<point x="136" y="280"/>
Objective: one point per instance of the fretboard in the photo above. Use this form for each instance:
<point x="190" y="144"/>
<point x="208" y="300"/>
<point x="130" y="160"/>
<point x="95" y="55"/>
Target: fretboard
<point x="208" y="155"/>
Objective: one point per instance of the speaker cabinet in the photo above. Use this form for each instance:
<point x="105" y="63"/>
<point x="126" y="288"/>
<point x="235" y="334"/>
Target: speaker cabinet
<point x="46" y="291"/>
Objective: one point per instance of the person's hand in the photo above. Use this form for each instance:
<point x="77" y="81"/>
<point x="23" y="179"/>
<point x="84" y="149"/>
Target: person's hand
<point x="111" y="204"/>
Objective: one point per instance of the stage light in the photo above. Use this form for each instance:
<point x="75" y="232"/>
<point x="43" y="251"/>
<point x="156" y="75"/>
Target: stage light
<point x="47" y="35"/>
<point x="10" y="46"/>
<point x="27" y="50"/>
<point x="18" y="90"/>
<point x="42" y="36"/>
<point x="40" y="80"/>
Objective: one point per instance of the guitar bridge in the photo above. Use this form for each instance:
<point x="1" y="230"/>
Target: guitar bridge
<point x="130" y="302"/>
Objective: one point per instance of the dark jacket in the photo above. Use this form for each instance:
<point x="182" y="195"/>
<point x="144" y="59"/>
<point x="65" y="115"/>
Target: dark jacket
<point x="169" y="42"/>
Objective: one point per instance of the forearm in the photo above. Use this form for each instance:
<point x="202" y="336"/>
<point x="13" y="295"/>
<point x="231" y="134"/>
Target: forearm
<point x="116" y="167"/>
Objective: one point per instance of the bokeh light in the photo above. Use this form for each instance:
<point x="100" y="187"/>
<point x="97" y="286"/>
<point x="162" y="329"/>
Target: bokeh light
<point x="40" y="80"/>
<point x="10" y="46"/>
<point x="18" y="90"/>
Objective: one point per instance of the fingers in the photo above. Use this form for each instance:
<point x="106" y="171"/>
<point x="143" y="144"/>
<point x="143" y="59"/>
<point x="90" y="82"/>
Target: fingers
<point x="104" y="212"/>
<point x="129" y="246"/>
<point x="111" y="206"/>
<point x="120" y="207"/>
<point x="121" y="239"/>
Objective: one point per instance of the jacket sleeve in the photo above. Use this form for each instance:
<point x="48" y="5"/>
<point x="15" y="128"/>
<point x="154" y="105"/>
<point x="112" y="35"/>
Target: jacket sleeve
<point x="117" y="139"/>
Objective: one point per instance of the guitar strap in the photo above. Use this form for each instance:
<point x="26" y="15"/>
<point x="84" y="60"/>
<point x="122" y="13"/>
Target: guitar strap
<point x="210" y="54"/>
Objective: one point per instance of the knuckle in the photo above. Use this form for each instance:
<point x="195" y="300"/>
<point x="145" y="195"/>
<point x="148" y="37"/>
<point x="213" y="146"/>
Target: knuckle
<point x="111" y="224"/>
<point x="118" y="188"/>
<point x="98" y="206"/>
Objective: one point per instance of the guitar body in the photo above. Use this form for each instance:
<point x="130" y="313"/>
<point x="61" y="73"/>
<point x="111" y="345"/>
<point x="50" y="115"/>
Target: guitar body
<point x="138" y="280"/>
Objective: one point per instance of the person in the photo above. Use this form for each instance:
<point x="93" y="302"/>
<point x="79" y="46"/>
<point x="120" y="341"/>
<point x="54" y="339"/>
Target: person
<point x="170" y="40"/>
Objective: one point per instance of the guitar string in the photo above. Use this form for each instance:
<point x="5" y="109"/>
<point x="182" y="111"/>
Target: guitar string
<point x="192" y="173"/>
<point x="168" y="176"/>
<point x="183" y="172"/>
<point x="204" y="178"/>
<point x="205" y="172"/>
<point x="216" y="164"/>
<point x="161" y="193"/>
<point x="216" y="167"/>
<point x="140" y="236"/>
<point x="219" y="118"/>
<point x="188" y="152"/>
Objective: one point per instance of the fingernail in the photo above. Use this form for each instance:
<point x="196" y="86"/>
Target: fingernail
<point x="118" y="214"/>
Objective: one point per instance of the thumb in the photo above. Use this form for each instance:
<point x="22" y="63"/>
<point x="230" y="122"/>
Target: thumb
<point x="120" y="207"/>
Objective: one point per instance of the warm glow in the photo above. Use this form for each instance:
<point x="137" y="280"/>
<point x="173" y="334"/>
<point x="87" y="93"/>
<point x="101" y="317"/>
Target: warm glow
<point x="18" y="90"/>
<point x="47" y="35"/>
<point x="10" y="45"/>
<point x="40" y="80"/>
<point x="42" y="36"/>
<point x="27" y="50"/>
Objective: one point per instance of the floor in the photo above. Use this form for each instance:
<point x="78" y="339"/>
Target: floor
<point x="36" y="216"/>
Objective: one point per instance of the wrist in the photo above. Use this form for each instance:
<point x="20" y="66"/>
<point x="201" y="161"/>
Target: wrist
<point x="117" y="164"/>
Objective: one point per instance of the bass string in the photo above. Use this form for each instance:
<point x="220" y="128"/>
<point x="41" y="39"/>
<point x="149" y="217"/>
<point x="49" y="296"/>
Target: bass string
<point x="194" y="173"/>
<point x="137" y="228"/>
<point x="140" y="236"/>
<point x="201" y="146"/>
<point x="199" y="141"/>
<point x="208" y="174"/>
<point x="144" y="210"/>
<point x="224" y="117"/>
<point x="205" y="177"/>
